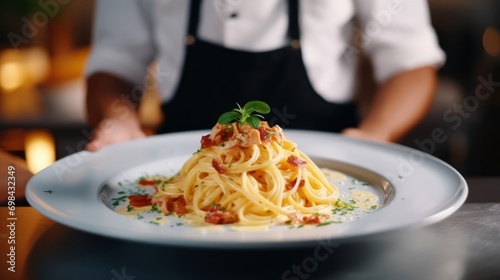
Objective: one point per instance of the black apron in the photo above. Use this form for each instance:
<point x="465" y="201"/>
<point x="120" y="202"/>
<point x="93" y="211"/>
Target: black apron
<point x="215" y="78"/>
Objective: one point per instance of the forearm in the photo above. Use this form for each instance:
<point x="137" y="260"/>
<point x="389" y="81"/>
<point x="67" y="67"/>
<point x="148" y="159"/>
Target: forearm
<point x="109" y="97"/>
<point x="399" y="104"/>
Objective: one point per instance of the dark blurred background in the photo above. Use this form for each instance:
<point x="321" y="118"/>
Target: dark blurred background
<point x="44" y="46"/>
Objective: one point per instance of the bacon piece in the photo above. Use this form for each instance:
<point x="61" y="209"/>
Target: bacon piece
<point x="247" y="136"/>
<point x="242" y="135"/>
<point x="218" y="135"/>
<point x="296" y="162"/>
<point x="265" y="134"/>
<point x="311" y="220"/>
<point x="180" y="205"/>
<point x="217" y="164"/>
<point x="268" y="134"/>
<point x="298" y="218"/>
<point x="252" y="138"/>
<point x="168" y="204"/>
<point x="233" y="143"/>
<point x="218" y="217"/>
<point x="278" y="133"/>
<point x="206" y="141"/>
<point x="139" y="200"/>
<point x="295" y="217"/>
<point x="290" y="185"/>
<point x="217" y="130"/>
<point x="147" y="182"/>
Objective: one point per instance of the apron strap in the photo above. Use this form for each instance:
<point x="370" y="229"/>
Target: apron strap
<point x="293" y="23"/>
<point x="194" y="19"/>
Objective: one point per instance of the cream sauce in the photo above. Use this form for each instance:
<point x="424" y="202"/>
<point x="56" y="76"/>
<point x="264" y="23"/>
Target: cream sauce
<point x="132" y="212"/>
<point x="333" y="174"/>
<point x="365" y="201"/>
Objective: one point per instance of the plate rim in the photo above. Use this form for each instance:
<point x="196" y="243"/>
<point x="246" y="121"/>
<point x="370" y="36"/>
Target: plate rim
<point x="453" y="203"/>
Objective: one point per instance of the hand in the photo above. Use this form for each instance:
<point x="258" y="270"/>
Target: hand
<point x="18" y="179"/>
<point x="398" y="105"/>
<point x="113" y="131"/>
<point x="365" y="135"/>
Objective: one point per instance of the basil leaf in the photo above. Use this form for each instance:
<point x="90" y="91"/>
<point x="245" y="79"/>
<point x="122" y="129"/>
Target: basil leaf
<point x="257" y="106"/>
<point x="228" y="117"/>
<point x="253" y="121"/>
<point x="248" y="114"/>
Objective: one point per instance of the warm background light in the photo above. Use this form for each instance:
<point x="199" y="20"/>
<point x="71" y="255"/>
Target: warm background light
<point x="491" y="41"/>
<point x="21" y="72"/>
<point x="22" y="68"/>
<point x="12" y="76"/>
<point x="40" y="150"/>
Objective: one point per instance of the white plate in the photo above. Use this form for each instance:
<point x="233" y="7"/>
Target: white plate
<point x="415" y="189"/>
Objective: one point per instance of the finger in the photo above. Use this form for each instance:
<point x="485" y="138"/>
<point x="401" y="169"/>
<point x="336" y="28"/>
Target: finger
<point x="94" y="146"/>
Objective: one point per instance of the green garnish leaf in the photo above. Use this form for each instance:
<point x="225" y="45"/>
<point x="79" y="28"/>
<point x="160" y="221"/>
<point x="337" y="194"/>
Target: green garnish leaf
<point x="249" y="114"/>
<point x="229" y="117"/>
<point x="253" y="122"/>
<point x="257" y="106"/>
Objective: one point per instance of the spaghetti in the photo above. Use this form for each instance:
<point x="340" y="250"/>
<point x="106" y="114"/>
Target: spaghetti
<point x="248" y="176"/>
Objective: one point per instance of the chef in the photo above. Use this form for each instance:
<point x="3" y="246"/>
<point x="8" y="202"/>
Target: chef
<point x="299" y="56"/>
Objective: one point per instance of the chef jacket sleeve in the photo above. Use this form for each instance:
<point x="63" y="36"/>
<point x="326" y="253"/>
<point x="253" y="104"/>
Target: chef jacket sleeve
<point x="122" y="42"/>
<point x="398" y="36"/>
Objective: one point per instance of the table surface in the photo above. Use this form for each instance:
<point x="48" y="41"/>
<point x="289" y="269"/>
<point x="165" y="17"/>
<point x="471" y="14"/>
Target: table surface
<point x="465" y="245"/>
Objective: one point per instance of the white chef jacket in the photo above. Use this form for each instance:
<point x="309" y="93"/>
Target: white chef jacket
<point x="397" y="34"/>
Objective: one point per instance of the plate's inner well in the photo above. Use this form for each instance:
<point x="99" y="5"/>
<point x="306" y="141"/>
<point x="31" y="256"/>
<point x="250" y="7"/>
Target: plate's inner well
<point x="364" y="190"/>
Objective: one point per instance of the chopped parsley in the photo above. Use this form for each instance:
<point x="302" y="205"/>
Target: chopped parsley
<point x="328" y="223"/>
<point x="117" y="200"/>
<point x="342" y="204"/>
<point x="296" y="227"/>
<point x="269" y="134"/>
<point x="154" y="209"/>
